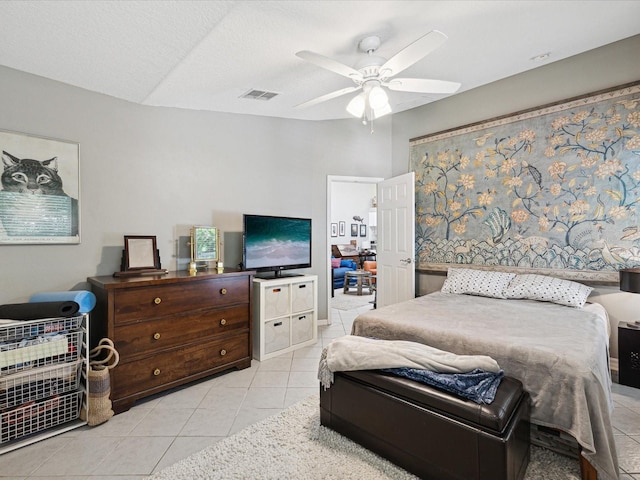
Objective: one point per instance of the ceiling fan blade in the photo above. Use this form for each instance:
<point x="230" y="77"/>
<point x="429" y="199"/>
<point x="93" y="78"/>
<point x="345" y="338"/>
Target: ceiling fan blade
<point x="328" y="96"/>
<point x="413" y="52"/>
<point x="330" y="64"/>
<point x="422" y="85"/>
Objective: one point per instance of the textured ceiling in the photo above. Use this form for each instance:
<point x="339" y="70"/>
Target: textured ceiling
<point x="205" y="54"/>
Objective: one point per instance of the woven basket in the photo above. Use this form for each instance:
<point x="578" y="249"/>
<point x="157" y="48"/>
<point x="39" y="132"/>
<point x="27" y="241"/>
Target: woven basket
<point x="98" y="408"/>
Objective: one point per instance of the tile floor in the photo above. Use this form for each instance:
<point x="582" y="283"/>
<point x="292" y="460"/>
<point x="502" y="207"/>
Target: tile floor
<point x="161" y="430"/>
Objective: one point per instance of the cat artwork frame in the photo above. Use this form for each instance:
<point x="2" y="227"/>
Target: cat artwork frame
<point x="39" y="190"/>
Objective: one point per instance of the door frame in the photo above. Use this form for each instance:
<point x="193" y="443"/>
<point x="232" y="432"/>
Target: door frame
<point x="331" y="179"/>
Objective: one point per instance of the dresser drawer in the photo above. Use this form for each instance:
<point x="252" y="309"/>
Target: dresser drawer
<point x="161" y="300"/>
<point x="151" y="335"/>
<point x="163" y="368"/>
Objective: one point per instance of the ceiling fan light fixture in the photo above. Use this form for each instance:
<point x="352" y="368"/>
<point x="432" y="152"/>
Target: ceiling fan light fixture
<point x="356" y="106"/>
<point x="378" y="97"/>
<point x="381" y="112"/>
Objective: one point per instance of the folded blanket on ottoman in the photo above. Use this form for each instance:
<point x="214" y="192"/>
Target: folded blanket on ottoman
<point x="351" y="353"/>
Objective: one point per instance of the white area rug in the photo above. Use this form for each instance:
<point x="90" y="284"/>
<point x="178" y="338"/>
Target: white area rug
<point x="350" y="301"/>
<point x="293" y="445"/>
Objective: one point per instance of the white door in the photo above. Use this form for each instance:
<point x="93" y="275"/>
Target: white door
<point x="396" y="240"/>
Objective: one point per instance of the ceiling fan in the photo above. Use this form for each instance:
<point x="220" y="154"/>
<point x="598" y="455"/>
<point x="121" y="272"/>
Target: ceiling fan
<point x="373" y="72"/>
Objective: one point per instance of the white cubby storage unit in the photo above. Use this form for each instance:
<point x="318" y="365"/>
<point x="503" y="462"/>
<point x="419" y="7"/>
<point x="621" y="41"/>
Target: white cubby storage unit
<point x="285" y="312"/>
<point x="42" y="378"/>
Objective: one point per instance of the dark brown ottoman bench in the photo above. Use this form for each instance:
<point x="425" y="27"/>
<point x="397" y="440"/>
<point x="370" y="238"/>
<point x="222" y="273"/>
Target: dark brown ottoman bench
<point x="428" y="432"/>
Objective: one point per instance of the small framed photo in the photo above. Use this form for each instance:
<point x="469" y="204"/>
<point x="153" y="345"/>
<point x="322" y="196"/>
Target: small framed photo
<point x="334" y="229"/>
<point x="205" y="244"/>
<point x="341" y="229"/>
<point x="354" y="229"/>
<point x="363" y="230"/>
<point x="140" y="253"/>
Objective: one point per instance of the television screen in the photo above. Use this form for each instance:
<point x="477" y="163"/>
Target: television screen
<point x="276" y="243"/>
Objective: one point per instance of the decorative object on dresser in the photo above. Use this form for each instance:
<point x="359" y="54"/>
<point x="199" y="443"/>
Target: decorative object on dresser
<point x="285" y="315"/>
<point x="140" y="257"/>
<point x="43" y="367"/>
<point x="204" y="246"/>
<point x="172" y="329"/>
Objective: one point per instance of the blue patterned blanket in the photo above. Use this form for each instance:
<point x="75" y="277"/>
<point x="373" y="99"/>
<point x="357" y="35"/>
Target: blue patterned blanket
<point x="478" y="385"/>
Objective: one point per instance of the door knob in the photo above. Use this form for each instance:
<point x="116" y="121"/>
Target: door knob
<point x="406" y="260"/>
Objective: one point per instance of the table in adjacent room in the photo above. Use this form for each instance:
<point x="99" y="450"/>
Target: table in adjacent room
<point x="357" y="279"/>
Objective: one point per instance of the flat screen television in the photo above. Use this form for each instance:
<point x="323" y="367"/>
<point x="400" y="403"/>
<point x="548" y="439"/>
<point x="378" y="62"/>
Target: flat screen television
<point x="274" y="244"/>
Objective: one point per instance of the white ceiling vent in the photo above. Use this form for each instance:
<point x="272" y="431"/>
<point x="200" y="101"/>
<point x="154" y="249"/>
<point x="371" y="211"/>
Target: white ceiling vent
<point x="258" y="95"/>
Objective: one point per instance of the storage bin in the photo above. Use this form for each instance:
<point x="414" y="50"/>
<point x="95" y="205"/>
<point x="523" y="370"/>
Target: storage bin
<point x="276" y="334"/>
<point x="18" y="329"/>
<point x="301" y="328"/>
<point x="302" y="297"/>
<point x="276" y="301"/>
<point x="36" y="384"/>
<point x="37" y="416"/>
<point x="29" y="353"/>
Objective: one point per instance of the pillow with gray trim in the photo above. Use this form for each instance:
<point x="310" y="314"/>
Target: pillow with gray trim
<point x="548" y="289"/>
<point x="484" y="283"/>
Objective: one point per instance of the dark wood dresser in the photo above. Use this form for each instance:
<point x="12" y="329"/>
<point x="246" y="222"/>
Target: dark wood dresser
<point x="172" y="329"/>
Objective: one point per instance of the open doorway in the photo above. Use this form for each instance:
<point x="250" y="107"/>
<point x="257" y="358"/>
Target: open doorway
<point x="351" y="215"/>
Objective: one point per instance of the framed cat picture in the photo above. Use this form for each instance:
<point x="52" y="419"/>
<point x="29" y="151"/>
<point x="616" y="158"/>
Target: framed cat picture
<point x="39" y="190"/>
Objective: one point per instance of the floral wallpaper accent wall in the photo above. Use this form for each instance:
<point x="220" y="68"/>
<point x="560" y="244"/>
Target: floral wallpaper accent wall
<point x="556" y="188"/>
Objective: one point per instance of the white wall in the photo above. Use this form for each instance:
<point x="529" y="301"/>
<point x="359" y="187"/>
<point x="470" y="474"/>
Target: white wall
<point x="155" y="171"/>
<point x="602" y="68"/>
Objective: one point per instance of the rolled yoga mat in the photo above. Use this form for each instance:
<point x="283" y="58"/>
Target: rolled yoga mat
<point x="84" y="298"/>
<point x="34" y="311"/>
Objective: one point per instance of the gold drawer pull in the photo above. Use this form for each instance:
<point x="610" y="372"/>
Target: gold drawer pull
<point x="223" y="322"/>
<point x="156" y="336"/>
<point x="156" y="372"/>
<point x="223" y="352"/>
<point x="157" y="300"/>
<point x="223" y="291"/>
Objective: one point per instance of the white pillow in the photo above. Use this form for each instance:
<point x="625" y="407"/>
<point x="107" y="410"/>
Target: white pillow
<point x="548" y="289"/>
<point x="484" y="283"/>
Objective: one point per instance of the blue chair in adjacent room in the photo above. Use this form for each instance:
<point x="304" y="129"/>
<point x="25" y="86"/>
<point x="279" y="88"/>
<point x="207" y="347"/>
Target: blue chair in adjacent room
<point x="338" y="268"/>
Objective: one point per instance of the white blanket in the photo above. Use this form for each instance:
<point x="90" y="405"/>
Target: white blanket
<point x="350" y="353"/>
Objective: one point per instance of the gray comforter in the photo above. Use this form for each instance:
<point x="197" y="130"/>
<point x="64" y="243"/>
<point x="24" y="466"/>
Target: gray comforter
<point x="559" y="353"/>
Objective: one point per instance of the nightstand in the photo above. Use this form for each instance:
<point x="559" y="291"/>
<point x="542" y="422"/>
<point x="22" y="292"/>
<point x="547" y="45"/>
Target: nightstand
<point x="629" y="354"/>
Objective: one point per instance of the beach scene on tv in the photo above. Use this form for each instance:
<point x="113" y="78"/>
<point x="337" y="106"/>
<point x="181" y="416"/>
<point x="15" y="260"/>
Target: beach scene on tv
<point x="277" y="242"/>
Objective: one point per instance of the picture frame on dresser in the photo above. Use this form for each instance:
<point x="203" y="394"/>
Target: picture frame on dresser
<point x="140" y="252"/>
<point x="49" y="214"/>
<point x="206" y="244"/>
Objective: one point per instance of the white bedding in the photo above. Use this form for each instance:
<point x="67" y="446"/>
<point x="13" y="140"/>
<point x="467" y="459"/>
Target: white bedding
<point x="559" y="353"/>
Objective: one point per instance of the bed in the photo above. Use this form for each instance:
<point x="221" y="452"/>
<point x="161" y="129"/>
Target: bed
<point x="559" y="352"/>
